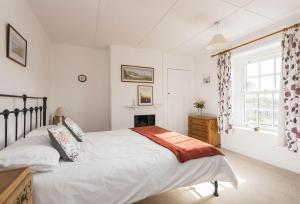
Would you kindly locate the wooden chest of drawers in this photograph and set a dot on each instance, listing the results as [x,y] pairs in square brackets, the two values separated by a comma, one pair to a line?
[16,186]
[205,129]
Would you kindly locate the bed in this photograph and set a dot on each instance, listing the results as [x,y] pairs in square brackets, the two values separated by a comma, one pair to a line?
[122,166]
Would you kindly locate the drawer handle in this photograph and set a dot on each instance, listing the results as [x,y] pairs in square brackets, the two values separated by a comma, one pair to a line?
[24,195]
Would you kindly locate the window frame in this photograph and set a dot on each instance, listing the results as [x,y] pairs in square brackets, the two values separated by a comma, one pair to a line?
[258,92]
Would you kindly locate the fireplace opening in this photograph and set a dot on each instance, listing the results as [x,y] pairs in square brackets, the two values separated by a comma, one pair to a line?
[144,120]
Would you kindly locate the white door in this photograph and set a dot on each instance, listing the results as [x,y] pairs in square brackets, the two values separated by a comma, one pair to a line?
[179,99]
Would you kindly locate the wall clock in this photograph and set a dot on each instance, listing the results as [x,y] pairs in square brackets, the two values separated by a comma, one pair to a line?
[82,78]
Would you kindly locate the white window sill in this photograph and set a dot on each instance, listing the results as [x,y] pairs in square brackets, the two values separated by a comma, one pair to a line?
[268,132]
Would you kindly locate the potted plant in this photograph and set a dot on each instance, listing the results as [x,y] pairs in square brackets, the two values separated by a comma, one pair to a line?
[199,105]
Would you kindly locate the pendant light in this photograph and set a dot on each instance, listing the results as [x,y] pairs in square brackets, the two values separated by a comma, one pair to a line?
[218,41]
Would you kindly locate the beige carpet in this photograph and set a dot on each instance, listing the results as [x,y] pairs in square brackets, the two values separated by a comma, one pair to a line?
[259,183]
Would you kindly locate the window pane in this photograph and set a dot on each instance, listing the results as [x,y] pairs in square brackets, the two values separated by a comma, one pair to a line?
[267,66]
[252,69]
[251,116]
[265,102]
[278,65]
[276,101]
[267,83]
[265,117]
[251,101]
[277,81]
[276,118]
[252,84]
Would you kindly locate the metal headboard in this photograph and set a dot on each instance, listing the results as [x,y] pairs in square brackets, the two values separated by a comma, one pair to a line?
[42,110]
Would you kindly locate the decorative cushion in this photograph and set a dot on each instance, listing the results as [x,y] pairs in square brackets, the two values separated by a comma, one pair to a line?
[64,142]
[74,129]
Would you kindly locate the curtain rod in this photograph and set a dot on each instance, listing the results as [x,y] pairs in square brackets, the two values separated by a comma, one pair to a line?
[257,39]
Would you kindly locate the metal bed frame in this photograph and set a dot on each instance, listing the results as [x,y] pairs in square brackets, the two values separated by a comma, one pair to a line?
[41,110]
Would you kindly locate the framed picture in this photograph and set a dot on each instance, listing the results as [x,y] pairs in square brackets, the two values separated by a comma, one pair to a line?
[137,74]
[206,78]
[145,95]
[16,46]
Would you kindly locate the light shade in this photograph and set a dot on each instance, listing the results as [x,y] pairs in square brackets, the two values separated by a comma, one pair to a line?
[217,42]
[59,112]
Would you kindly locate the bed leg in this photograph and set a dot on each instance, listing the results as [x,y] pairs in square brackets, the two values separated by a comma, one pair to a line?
[216,193]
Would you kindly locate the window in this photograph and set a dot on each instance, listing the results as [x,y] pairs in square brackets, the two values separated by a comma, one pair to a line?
[261,92]
[255,86]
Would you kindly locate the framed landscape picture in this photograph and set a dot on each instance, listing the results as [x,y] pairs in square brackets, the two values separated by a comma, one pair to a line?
[145,95]
[16,46]
[137,74]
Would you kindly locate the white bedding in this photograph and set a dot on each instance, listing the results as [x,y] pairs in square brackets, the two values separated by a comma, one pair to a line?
[123,167]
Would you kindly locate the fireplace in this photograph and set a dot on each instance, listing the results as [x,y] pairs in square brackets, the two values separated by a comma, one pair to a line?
[144,120]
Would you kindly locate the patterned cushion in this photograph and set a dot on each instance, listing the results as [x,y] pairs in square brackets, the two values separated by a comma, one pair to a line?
[64,142]
[74,129]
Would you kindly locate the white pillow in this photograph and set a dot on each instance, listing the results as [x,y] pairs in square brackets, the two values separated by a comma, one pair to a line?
[40,131]
[36,153]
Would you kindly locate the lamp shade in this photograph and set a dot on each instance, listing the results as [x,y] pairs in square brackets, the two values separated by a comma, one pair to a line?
[59,112]
[217,42]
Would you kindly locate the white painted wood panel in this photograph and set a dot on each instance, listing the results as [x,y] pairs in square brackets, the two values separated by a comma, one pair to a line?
[179,99]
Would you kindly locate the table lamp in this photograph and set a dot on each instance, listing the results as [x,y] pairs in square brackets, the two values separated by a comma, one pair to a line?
[58,116]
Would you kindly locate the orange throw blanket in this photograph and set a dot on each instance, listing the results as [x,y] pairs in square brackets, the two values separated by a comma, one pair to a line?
[185,148]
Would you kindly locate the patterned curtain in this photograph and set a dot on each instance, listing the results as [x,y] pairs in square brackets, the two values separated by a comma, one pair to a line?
[291,86]
[224,83]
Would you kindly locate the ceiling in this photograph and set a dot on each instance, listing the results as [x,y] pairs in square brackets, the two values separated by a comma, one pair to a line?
[169,25]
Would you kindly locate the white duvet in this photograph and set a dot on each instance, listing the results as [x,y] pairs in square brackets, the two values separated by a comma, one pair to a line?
[117,167]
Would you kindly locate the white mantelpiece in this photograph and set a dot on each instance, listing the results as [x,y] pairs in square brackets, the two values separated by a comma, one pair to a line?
[135,106]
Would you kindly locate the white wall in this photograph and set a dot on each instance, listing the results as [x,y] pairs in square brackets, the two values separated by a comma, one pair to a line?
[207,92]
[14,78]
[87,103]
[123,93]
[262,146]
